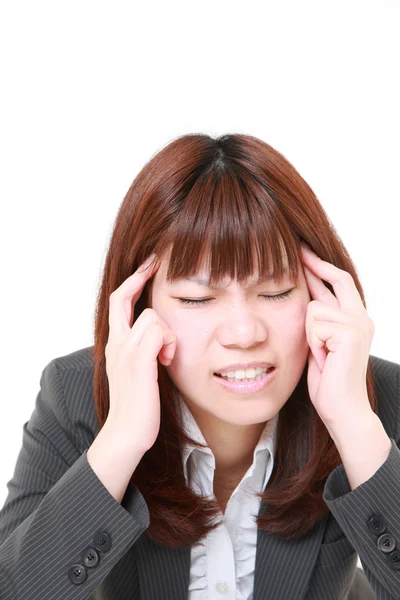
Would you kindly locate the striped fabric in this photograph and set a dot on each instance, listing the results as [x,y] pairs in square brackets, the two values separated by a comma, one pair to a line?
[64,537]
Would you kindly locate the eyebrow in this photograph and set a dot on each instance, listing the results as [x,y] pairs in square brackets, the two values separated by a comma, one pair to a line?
[206,283]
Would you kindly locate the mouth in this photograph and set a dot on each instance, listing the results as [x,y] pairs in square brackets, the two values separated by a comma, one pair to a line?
[260,376]
[247,386]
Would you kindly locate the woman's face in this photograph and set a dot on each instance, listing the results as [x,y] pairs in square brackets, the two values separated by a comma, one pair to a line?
[237,325]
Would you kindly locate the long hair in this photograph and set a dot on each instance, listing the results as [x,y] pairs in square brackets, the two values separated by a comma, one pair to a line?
[235,200]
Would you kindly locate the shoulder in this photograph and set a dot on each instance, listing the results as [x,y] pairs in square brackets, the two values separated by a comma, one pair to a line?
[76,360]
[383,366]
[67,385]
[387,388]
[386,375]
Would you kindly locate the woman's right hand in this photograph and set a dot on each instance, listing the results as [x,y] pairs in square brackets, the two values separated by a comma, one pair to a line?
[131,362]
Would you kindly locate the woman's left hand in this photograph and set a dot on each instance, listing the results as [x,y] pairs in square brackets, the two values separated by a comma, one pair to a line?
[339,332]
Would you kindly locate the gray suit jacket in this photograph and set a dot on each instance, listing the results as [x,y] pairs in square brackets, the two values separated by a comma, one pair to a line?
[64,537]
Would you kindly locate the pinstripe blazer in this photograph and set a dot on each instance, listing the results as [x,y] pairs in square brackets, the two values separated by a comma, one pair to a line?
[64,537]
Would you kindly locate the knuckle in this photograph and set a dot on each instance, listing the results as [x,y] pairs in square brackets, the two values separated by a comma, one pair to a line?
[109,348]
[312,305]
[152,316]
[348,276]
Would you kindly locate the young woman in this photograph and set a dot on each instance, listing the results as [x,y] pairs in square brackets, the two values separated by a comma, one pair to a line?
[228,435]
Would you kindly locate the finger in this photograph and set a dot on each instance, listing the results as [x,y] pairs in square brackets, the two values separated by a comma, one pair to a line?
[317,350]
[319,291]
[323,323]
[149,320]
[324,337]
[341,281]
[146,319]
[123,299]
[320,311]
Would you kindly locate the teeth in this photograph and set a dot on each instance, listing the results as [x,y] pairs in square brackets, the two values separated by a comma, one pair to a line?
[245,373]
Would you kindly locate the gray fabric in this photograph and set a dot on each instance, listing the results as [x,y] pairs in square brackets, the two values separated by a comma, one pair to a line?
[58,514]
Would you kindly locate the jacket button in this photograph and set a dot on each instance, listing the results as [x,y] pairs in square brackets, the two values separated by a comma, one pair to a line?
[394,559]
[102,541]
[77,574]
[376,524]
[386,542]
[91,558]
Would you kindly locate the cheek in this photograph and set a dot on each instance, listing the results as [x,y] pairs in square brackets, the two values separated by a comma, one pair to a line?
[191,335]
[190,354]
[292,328]
[183,325]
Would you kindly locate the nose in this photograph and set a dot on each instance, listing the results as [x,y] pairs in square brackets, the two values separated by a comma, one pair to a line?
[242,328]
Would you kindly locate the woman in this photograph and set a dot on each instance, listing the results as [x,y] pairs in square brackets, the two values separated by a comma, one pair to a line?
[150,468]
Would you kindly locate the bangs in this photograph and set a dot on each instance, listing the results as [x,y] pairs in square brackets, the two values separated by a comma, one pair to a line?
[238,231]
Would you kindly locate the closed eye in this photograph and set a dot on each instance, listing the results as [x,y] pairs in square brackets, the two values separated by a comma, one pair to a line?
[206,300]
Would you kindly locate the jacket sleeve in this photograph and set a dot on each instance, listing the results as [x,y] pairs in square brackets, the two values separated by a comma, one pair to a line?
[61,531]
[369,515]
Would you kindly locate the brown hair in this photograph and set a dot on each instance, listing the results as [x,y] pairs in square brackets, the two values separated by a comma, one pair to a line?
[230,199]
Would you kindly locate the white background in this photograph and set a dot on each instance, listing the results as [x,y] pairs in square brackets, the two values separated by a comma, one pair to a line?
[91,90]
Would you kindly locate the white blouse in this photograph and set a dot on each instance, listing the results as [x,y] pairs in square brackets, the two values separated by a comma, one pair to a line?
[222,565]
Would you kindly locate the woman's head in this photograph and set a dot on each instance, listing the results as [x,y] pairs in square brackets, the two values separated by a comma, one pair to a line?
[232,219]
[232,210]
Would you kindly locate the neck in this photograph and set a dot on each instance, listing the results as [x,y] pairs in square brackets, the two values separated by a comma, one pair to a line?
[232,445]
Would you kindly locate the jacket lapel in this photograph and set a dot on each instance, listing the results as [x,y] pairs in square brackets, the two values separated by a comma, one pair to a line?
[163,572]
[282,567]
